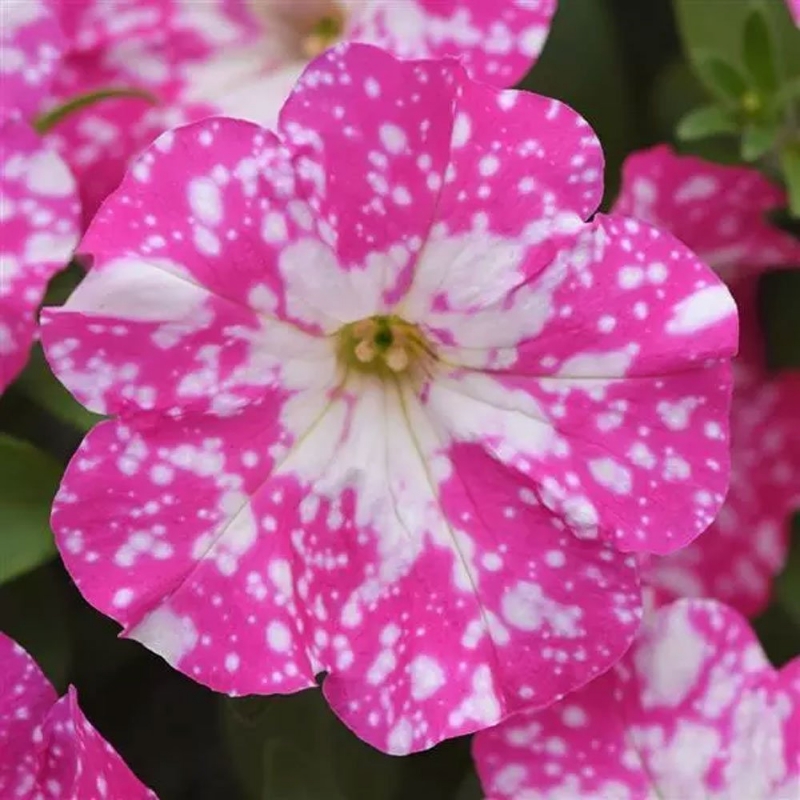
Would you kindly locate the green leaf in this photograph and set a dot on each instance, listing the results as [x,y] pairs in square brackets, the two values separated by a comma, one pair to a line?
[47,121]
[790,164]
[704,29]
[717,27]
[757,141]
[38,384]
[706,121]
[787,93]
[28,483]
[676,92]
[723,79]
[759,51]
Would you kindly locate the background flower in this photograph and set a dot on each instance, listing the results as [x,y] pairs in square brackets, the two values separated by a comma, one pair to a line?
[693,710]
[794,7]
[363,385]
[39,220]
[242,57]
[47,747]
[721,213]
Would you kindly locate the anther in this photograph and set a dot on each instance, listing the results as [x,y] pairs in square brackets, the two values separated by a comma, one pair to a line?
[396,358]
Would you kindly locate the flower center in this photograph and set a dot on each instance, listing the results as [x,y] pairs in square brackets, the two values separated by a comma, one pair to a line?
[385,345]
[300,29]
[323,32]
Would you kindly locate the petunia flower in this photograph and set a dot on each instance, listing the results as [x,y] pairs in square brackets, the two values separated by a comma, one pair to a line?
[40,214]
[794,10]
[721,213]
[48,749]
[242,57]
[694,710]
[386,406]
[497,43]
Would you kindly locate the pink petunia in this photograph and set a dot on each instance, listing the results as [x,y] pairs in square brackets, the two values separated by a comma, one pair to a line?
[721,213]
[48,749]
[497,43]
[694,710]
[794,9]
[242,57]
[383,400]
[39,223]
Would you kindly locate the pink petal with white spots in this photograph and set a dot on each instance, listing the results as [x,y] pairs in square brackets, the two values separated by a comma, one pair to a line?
[150,45]
[497,42]
[38,232]
[242,59]
[25,698]
[48,749]
[719,211]
[31,44]
[694,710]
[615,440]
[279,498]
[738,557]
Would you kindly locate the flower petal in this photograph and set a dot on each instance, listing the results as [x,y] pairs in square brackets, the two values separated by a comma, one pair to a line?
[497,42]
[150,45]
[518,161]
[47,747]
[718,211]
[342,557]
[721,212]
[187,536]
[32,43]
[25,698]
[694,710]
[156,340]
[38,230]
[400,168]
[591,357]
[743,550]
[79,761]
[380,180]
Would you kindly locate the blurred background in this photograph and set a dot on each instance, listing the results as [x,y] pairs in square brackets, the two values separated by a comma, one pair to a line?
[620,64]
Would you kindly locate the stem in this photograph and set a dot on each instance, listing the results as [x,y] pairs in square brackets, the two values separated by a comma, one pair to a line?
[47,121]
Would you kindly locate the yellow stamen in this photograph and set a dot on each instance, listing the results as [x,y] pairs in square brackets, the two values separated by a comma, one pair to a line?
[385,345]
[324,32]
[396,359]
[365,351]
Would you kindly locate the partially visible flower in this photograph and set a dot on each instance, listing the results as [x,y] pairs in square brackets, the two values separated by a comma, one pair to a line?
[794,9]
[242,57]
[150,45]
[387,406]
[48,749]
[39,222]
[721,213]
[694,710]
[497,43]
